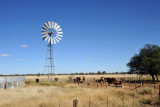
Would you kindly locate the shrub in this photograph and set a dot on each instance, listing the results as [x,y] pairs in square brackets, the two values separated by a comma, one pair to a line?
[147,91]
[145,100]
[133,94]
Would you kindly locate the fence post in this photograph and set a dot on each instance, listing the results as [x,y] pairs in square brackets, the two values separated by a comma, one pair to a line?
[107,101]
[141,85]
[159,93]
[105,84]
[101,83]
[5,83]
[135,85]
[12,84]
[89,102]
[129,84]
[116,84]
[97,83]
[75,103]
[154,85]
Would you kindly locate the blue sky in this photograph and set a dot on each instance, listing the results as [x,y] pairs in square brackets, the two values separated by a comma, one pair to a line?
[98,34]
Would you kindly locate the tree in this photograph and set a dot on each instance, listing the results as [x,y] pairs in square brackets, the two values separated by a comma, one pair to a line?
[99,72]
[146,62]
[104,72]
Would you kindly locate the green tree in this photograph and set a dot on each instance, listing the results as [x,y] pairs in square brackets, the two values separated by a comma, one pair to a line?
[81,73]
[104,72]
[99,72]
[146,62]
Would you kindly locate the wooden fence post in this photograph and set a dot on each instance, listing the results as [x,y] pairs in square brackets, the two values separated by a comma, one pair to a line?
[116,84]
[141,85]
[129,84]
[89,102]
[75,103]
[154,85]
[135,85]
[105,84]
[159,93]
[101,83]
[97,83]
[107,101]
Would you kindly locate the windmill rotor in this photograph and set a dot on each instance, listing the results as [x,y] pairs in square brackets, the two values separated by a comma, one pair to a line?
[52,32]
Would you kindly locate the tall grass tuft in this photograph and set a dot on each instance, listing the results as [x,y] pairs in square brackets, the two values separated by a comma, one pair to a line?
[147,91]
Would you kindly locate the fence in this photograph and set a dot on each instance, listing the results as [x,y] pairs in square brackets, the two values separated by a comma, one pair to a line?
[128,84]
[12,81]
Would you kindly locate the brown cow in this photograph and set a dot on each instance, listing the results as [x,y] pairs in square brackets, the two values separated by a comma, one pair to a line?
[100,80]
[78,80]
[110,80]
[84,79]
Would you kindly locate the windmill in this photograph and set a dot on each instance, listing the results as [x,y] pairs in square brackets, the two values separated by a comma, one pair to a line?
[52,33]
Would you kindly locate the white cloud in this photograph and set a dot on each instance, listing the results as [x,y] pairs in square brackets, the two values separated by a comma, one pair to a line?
[20,60]
[88,58]
[43,61]
[4,55]
[24,46]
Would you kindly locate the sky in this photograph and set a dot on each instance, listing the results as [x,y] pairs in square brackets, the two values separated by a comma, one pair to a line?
[98,35]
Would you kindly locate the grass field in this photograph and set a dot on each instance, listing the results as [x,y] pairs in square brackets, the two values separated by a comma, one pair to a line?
[62,94]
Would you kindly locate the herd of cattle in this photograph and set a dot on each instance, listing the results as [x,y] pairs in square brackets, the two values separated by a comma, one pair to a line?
[102,79]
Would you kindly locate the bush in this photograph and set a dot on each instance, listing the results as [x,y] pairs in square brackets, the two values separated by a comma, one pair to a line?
[147,91]
[133,94]
[145,100]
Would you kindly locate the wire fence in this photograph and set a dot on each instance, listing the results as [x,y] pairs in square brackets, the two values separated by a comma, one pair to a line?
[127,84]
[12,81]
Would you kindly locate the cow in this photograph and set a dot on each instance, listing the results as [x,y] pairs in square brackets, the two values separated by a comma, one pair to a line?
[77,80]
[100,80]
[84,79]
[110,80]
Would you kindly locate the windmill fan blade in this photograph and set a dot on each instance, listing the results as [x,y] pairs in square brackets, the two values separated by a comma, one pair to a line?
[45,35]
[46,25]
[59,35]
[49,39]
[59,30]
[43,32]
[58,38]
[57,27]
[54,41]
[53,25]
[49,23]
[46,38]
[44,29]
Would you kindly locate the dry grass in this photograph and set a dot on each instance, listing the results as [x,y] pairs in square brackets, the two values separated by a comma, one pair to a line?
[62,94]
[53,95]
[65,78]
